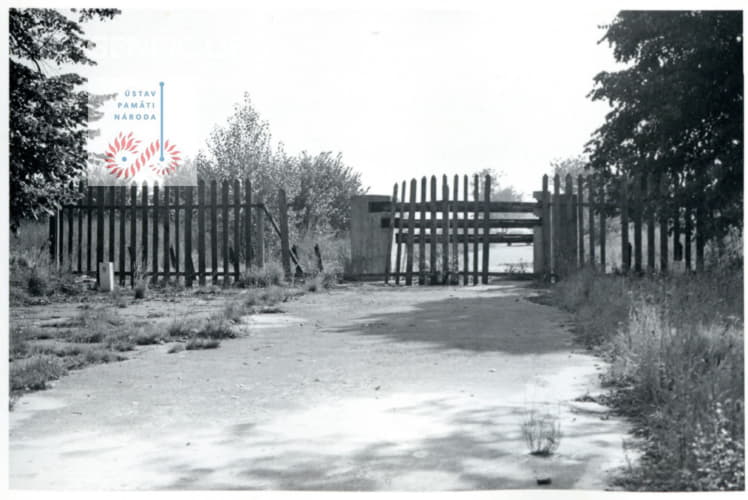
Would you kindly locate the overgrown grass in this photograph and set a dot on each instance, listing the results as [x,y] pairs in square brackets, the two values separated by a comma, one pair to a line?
[675,346]
[542,433]
[35,372]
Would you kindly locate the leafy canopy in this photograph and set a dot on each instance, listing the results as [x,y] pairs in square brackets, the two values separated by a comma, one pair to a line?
[48,112]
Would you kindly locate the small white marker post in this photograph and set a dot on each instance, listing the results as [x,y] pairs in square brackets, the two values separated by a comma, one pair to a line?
[106,276]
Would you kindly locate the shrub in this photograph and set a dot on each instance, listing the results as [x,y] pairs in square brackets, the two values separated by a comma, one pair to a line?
[271,274]
[35,372]
[542,433]
[216,328]
[38,282]
[140,289]
[201,343]
[180,329]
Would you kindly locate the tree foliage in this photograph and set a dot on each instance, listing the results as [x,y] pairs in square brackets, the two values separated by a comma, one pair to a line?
[318,187]
[677,108]
[48,112]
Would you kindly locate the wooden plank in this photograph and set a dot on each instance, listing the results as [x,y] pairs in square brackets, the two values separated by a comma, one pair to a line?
[167,234]
[432,246]
[71,230]
[453,228]
[388,257]
[445,229]
[260,223]
[465,230]
[189,271]
[99,230]
[556,237]
[486,229]
[133,232]
[650,224]
[580,219]
[52,239]
[688,231]
[89,240]
[225,231]
[422,227]
[248,225]
[237,229]
[571,207]
[177,243]
[459,206]
[144,229]
[214,231]
[201,232]
[154,257]
[476,227]
[546,231]
[283,221]
[411,230]
[603,230]
[528,223]
[398,256]
[471,238]
[700,235]
[677,246]
[591,196]
[624,202]
[637,213]
[122,226]
[663,224]
[81,196]
[112,204]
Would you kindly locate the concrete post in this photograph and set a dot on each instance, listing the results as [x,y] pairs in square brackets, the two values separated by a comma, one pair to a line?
[369,240]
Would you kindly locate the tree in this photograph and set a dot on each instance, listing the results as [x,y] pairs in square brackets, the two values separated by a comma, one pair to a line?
[677,108]
[574,166]
[48,113]
[499,192]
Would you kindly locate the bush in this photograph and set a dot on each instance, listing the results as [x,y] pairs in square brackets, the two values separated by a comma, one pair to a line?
[35,372]
[271,274]
[201,343]
[38,282]
[140,289]
[216,328]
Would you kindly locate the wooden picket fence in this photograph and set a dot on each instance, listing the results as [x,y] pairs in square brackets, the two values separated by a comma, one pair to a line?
[571,227]
[169,232]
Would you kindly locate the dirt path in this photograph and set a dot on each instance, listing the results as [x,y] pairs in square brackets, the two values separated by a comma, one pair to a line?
[364,388]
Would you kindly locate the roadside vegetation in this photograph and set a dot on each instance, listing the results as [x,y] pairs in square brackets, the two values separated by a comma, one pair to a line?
[676,368]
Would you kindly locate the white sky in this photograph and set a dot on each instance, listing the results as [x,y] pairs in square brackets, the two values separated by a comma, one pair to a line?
[401,92]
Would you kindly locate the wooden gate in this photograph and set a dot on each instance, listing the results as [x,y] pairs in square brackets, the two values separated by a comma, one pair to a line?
[171,232]
[445,236]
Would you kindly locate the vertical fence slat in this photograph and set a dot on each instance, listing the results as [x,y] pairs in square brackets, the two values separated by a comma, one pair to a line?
[663,224]
[214,231]
[89,239]
[99,230]
[688,231]
[189,269]
[411,230]
[677,247]
[445,229]
[486,228]
[247,224]
[399,236]
[650,225]
[453,229]
[421,236]
[260,222]
[637,212]
[580,219]
[237,229]
[624,203]
[177,243]
[546,228]
[71,230]
[557,236]
[201,232]
[112,204]
[603,229]
[167,233]
[154,257]
[571,250]
[144,229]
[701,213]
[53,238]
[285,246]
[225,231]
[432,244]
[392,235]
[133,232]
[476,225]
[81,197]
[591,196]
[465,230]
[122,227]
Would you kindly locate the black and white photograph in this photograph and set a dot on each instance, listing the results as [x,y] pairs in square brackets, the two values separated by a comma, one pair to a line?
[389,248]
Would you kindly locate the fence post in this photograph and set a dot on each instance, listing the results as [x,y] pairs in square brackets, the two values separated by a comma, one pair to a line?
[411,229]
[556,227]
[637,212]
[133,232]
[214,231]
[201,232]
[546,230]
[486,228]
[625,253]
[432,243]
[445,229]
[688,231]
[422,236]
[663,224]
[81,197]
[53,238]
[238,229]
[144,229]
[399,235]
[99,231]
[177,243]
[453,227]
[112,204]
[71,231]
[260,223]
[122,224]
[167,234]
[650,224]
[476,226]
[89,239]
[392,235]
[283,220]
[591,196]
[225,231]
[700,236]
[189,270]
[571,250]
[580,218]
[156,209]
[465,230]
[247,224]
[603,228]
